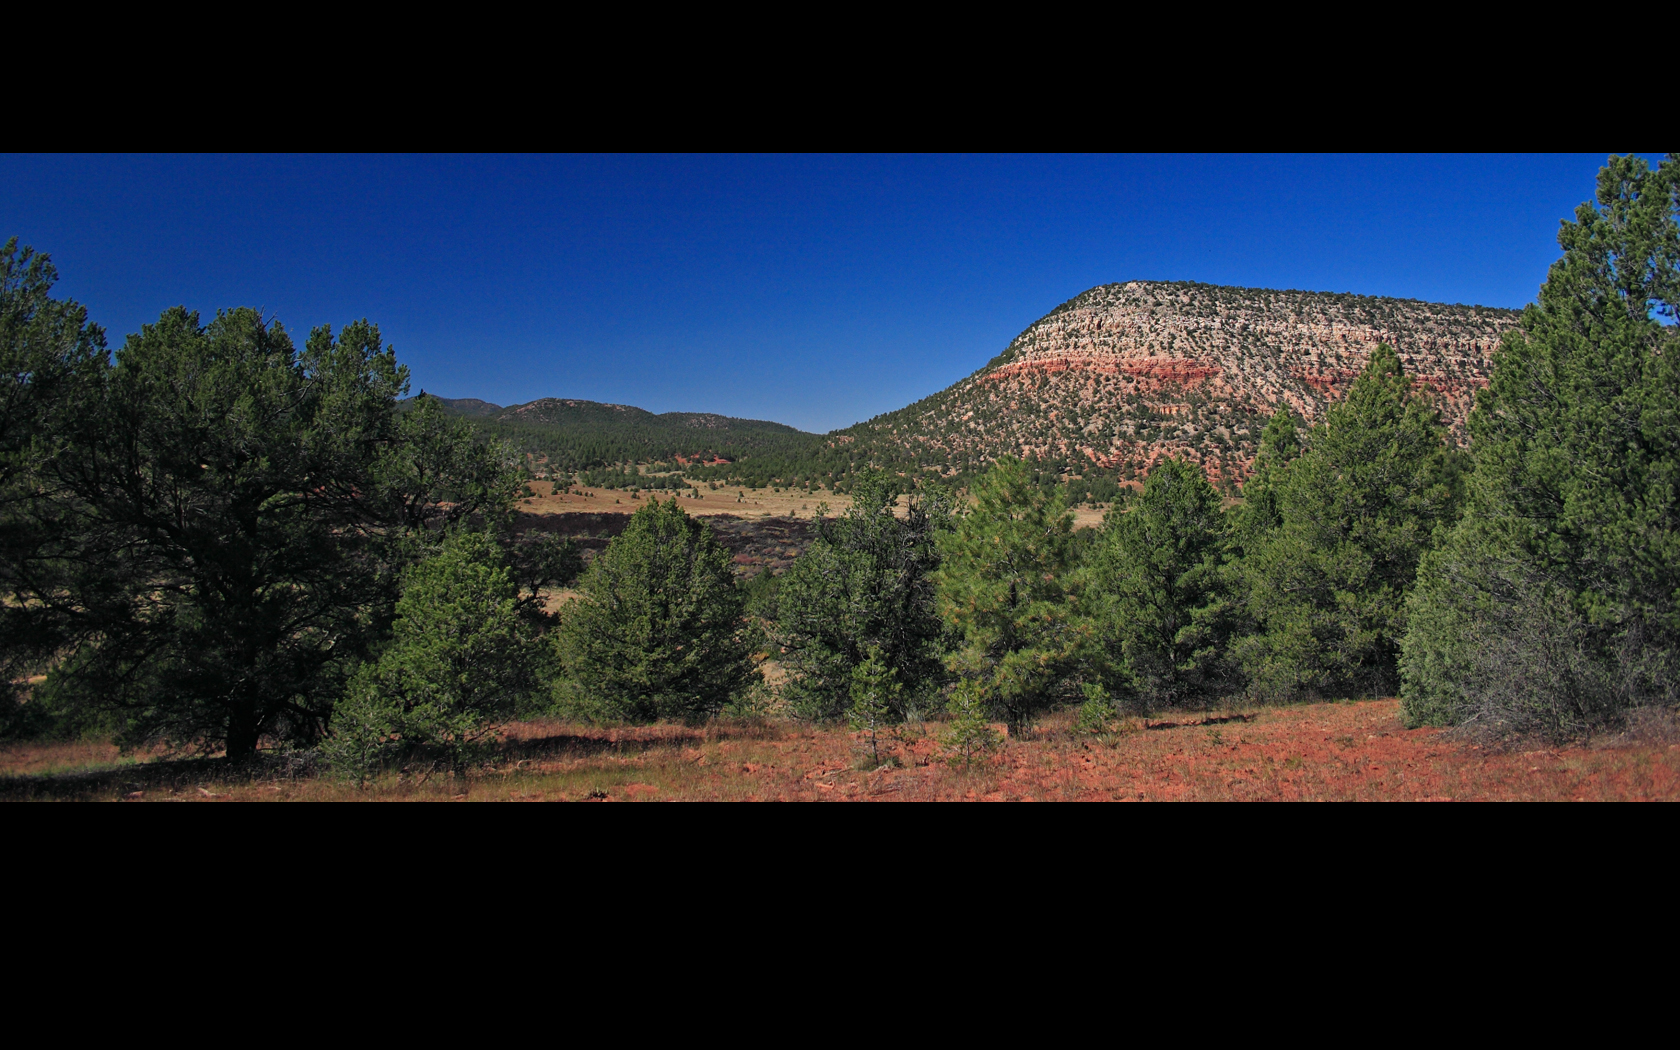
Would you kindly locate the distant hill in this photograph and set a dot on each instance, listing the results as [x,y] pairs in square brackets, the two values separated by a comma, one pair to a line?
[569,434]
[469,406]
[1126,374]
[1102,387]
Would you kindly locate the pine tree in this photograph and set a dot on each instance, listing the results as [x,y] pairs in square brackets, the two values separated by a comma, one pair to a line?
[657,631]
[875,696]
[462,660]
[1555,607]
[230,517]
[1007,583]
[1258,516]
[1155,589]
[1355,511]
[865,584]
[968,735]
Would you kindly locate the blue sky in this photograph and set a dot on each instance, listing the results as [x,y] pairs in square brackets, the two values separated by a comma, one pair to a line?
[816,291]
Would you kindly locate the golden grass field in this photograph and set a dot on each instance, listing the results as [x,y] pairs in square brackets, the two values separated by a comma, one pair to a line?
[1312,752]
[734,500]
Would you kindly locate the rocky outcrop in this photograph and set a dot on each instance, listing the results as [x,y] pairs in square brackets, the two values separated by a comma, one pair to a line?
[1127,374]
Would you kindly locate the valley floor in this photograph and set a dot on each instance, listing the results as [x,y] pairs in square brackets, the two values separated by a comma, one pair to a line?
[1318,752]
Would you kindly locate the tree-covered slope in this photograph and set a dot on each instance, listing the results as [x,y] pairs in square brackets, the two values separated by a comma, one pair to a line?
[568,435]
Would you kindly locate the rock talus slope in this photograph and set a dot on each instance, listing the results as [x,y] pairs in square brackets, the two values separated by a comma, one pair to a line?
[1126,374]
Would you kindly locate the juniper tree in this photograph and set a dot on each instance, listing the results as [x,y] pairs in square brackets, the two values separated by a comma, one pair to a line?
[657,630]
[1555,606]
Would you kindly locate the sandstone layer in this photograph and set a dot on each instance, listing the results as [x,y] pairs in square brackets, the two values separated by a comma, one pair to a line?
[1127,374]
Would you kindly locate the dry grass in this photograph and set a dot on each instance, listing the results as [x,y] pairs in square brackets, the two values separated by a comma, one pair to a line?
[752,503]
[1350,751]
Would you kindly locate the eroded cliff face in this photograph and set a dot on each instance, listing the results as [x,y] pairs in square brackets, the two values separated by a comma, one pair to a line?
[1127,374]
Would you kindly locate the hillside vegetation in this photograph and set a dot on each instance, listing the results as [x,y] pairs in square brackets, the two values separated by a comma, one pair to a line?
[219,542]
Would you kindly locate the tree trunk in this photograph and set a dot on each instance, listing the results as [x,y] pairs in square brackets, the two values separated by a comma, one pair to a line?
[242,733]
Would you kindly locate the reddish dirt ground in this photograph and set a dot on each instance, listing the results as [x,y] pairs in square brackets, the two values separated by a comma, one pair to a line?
[1319,752]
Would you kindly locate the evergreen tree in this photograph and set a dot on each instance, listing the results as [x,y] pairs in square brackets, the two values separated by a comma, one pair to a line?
[1355,512]
[230,529]
[968,734]
[1007,584]
[461,661]
[1555,607]
[1155,589]
[657,631]
[1259,515]
[875,696]
[864,584]
[51,360]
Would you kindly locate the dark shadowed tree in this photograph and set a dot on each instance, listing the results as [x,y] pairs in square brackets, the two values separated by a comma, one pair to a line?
[235,515]
[51,359]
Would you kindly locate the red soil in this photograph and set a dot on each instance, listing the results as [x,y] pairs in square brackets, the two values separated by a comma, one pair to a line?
[1345,751]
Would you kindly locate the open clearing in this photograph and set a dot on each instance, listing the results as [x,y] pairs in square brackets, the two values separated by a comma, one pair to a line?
[729,499]
[1341,751]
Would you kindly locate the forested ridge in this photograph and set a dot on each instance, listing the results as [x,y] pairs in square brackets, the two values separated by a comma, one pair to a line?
[219,539]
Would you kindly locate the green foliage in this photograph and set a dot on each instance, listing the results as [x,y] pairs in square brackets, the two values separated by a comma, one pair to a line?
[1259,515]
[875,691]
[657,631]
[1155,588]
[1006,583]
[50,362]
[461,661]
[969,734]
[1098,713]
[222,524]
[1355,511]
[1553,608]
[865,584]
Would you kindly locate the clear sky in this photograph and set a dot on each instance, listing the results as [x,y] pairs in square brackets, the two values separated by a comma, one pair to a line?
[816,291]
